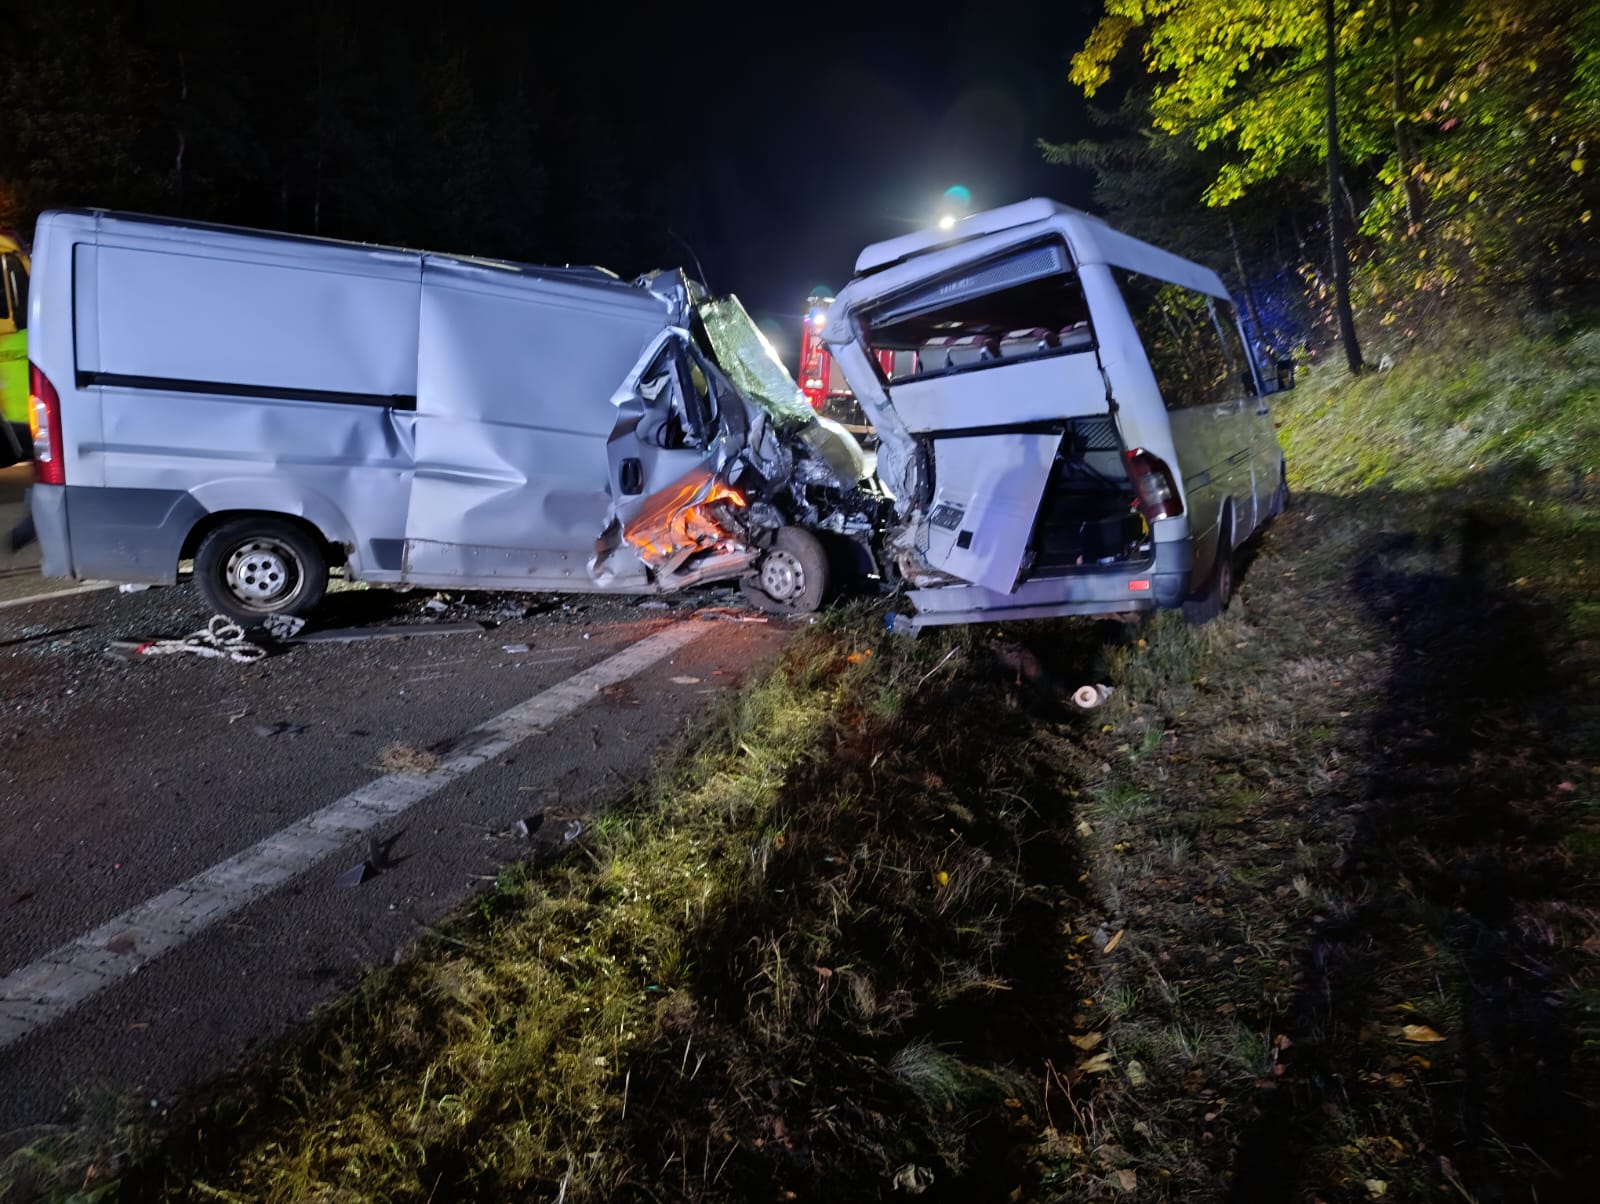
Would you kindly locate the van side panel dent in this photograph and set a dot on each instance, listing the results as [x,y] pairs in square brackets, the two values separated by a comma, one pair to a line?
[512,423]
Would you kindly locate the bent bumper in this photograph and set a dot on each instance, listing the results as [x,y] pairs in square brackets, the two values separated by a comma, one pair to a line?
[1162,583]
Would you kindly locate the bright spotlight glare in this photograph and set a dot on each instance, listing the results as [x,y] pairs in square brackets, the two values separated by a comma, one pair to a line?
[947,222]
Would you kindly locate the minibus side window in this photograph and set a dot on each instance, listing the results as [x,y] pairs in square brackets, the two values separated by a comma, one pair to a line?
[1233,347]
[6,289]
[1182,341]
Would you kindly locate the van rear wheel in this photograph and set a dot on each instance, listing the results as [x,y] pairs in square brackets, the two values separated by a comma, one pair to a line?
[1214,599]
[792,578]
[250,568]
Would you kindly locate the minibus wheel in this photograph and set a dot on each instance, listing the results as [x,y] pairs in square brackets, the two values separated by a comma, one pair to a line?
[256,566]
[792,577]
[1218,592]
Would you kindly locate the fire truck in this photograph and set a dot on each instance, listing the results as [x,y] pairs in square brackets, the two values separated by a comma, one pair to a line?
[823,384]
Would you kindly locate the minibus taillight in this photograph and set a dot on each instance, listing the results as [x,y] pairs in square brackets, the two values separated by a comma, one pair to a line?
[1152,481]
[44,421]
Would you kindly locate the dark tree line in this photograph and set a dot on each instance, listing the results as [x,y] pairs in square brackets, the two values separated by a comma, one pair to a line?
[473,130]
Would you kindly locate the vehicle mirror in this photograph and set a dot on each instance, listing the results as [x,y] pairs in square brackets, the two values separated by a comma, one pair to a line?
[1285,374]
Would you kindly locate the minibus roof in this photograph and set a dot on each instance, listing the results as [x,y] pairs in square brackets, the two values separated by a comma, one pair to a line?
[1089,239]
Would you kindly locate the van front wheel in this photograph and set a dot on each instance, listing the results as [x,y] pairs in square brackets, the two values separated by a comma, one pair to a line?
[792,577]
[250,568]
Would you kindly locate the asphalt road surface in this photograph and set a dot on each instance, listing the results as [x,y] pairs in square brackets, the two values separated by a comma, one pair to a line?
[173,829]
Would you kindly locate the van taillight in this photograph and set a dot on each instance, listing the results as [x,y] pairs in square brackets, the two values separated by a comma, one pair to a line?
[44,421]
[1152,481]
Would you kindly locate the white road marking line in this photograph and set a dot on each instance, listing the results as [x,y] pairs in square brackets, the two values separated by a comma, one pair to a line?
[59,981]
[60,593]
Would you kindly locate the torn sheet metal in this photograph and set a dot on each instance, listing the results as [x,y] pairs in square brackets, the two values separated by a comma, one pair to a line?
[697,515]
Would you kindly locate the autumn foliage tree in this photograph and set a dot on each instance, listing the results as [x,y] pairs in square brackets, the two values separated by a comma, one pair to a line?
[1464,126]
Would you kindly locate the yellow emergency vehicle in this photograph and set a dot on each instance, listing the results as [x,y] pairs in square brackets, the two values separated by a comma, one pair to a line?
[14,268]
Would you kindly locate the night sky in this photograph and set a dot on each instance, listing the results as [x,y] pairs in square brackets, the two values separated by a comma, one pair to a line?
[840,125]
[768,144]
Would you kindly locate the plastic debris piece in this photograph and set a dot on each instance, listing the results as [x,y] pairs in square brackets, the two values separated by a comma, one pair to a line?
[913,1179]
[1089,697]
[513,647]
[361,872]
[268,730]
[574,830]
[435,605]
[524,829]
[132,587]
[283,627]
[685,681]
[655,606]
[900,624]
[727,615]
[397,631]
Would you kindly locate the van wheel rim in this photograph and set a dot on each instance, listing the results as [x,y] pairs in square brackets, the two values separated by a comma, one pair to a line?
[783,577]
[262,571]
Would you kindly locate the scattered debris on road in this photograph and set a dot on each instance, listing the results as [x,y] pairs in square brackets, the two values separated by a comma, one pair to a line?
[220,638]
[361,872]
[283,627]
[727,614]
[524,828]
[269,730]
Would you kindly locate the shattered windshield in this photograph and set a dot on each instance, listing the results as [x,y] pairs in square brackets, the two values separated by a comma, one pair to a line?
[750,361]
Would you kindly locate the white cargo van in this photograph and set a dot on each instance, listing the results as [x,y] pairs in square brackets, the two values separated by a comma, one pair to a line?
[1069,420]
[272,405]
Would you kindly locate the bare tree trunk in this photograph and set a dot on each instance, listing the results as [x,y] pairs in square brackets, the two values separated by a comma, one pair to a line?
[1337,243]
[1244,283]
[1405,151]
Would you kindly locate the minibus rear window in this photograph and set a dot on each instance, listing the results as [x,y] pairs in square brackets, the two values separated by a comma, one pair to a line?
[1026,304]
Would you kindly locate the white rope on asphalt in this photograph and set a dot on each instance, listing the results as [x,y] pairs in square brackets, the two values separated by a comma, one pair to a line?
[220,637]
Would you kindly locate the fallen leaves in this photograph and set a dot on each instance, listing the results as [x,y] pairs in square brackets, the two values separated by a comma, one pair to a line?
[1087,1041]
[1116,939]
[1099,1064]
[1419,1033]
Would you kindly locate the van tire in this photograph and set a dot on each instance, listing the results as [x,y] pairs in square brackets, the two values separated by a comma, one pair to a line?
[253,567]
[792,577]
[1218,592]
